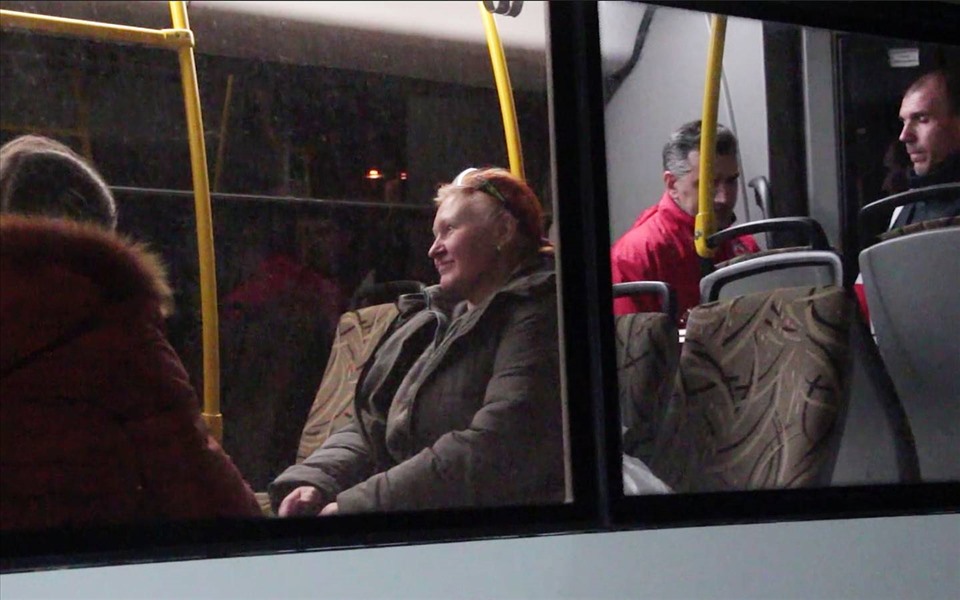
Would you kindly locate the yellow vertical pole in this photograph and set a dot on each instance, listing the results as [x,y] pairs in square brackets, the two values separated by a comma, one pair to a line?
[201,190]
[705,223]
[505,92]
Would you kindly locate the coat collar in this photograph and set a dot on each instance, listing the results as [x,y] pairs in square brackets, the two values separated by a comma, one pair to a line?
[527,279]
[668,210]
[672,212]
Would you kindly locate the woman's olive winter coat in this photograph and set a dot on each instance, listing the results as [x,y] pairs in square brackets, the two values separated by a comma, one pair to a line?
[455,408]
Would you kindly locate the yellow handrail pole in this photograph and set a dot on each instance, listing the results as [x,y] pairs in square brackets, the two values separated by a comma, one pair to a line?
[201,191]
[222,139]
[160,38]
[504,90]
[705,223]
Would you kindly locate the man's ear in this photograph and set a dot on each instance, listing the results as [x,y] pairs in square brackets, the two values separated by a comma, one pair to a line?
[670,184]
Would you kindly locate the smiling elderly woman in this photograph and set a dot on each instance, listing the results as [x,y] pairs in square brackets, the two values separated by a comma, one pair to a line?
[460,405]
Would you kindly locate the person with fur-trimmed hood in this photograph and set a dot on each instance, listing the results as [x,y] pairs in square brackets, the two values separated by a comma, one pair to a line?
[98,421]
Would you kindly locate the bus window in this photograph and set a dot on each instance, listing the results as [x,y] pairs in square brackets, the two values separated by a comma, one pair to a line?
[816,115]
[327,136]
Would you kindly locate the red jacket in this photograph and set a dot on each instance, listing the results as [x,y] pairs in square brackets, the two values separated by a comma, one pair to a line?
[659,247]
[98,421]
[281,279]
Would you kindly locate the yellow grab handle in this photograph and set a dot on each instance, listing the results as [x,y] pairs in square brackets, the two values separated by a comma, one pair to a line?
[505,92]
[705,222]
[104,32]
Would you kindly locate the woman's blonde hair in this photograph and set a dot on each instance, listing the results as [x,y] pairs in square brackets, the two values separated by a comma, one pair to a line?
[511,193]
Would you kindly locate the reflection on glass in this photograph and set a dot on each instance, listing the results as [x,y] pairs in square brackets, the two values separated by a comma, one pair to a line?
[313,251]
[776,380]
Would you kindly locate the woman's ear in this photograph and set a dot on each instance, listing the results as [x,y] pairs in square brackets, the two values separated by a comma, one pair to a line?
[505,228]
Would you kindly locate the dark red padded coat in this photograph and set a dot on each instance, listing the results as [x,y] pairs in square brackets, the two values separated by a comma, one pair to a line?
[98,421]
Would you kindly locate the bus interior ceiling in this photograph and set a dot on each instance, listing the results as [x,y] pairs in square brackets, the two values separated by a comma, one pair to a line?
[311,106]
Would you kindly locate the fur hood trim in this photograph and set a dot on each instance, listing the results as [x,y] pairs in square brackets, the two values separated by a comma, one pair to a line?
[124,269]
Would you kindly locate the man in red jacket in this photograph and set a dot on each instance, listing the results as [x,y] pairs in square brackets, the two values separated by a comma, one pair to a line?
[659,246]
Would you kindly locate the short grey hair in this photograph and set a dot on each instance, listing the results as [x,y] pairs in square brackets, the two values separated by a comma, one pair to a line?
[41,176]
[686,139]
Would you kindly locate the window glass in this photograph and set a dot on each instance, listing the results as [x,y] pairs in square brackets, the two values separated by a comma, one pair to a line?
[760,370]
[329,128]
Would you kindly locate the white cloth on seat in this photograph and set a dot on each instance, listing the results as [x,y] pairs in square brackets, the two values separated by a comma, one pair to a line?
[638,479]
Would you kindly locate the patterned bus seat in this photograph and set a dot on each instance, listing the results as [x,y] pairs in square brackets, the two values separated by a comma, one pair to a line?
[761,393]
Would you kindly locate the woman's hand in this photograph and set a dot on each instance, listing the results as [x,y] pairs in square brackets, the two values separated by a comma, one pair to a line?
[330,509]
[305,501]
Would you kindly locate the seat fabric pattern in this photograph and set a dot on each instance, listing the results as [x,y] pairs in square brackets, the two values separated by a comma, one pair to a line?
[940,223]
[647,355]
[761,393]
[358,333]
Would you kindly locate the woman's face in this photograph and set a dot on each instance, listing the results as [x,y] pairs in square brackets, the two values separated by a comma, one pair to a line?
[464,249]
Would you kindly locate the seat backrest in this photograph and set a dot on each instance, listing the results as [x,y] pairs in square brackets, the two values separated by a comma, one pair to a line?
[772,269]
[920,205]
[664,291]
[647,354]
[761,393]
[371,294]
[878,446]
[813,264]
[911,286]
[357,336]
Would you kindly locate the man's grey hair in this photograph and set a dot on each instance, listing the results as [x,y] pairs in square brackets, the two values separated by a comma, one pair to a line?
[686,139]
